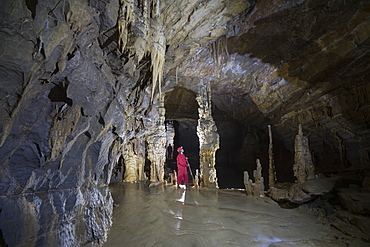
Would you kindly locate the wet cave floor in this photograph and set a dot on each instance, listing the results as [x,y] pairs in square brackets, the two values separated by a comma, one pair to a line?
[166,216]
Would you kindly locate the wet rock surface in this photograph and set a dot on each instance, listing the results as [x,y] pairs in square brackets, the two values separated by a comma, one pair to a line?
[73,217]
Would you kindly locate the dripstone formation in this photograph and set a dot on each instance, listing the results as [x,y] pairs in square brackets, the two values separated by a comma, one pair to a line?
[86,88]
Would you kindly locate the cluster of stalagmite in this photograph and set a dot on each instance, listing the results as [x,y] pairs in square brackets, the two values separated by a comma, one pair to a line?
[303,171]
[257,188]
[208,137]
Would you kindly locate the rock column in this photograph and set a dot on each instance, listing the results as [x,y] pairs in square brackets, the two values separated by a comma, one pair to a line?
[157,145]
[272,171]
[208,137]
[303,166]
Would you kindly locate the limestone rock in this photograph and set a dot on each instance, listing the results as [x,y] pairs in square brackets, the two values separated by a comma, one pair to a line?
[301,193]
[355,201]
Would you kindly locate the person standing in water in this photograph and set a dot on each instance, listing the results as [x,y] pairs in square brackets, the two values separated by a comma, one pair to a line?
[182,172]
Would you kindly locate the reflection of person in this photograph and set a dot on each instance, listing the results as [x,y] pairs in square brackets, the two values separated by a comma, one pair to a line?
[169,152]
[182,172]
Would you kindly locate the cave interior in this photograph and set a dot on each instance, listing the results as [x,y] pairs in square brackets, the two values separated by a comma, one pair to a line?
[89,88]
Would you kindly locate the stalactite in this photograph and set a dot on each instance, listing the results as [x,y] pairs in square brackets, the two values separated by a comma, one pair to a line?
[125,18]
[213,51]
[143,27]
[225,46]
[177,77]
[122,28]
[158,53]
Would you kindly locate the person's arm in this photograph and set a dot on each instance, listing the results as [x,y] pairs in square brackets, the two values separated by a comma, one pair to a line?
[182,160]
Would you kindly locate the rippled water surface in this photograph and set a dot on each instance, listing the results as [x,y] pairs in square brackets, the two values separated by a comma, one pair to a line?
[166,216]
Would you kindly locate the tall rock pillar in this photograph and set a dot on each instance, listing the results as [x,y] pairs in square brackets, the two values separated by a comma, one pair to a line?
[208,137]
[272,171]
[303,167]
[157,145]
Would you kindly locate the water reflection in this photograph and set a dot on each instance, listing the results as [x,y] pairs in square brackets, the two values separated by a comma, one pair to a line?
[166,216]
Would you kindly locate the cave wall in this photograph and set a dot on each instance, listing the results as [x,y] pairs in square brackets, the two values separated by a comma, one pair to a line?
[60,124]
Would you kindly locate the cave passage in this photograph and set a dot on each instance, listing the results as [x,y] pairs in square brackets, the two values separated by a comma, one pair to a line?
[166,216]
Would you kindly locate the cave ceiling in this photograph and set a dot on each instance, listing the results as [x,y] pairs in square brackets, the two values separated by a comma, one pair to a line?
[285,63]
[274,62]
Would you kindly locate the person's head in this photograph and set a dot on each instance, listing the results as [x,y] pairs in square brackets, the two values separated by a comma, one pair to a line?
[180,150]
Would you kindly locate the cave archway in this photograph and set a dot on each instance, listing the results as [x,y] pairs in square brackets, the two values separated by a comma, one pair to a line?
[182,109]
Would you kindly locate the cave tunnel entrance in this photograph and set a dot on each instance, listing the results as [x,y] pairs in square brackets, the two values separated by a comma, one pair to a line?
[182,110]
[186,136]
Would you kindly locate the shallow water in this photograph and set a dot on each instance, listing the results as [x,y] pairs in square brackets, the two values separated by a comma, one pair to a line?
[166,216]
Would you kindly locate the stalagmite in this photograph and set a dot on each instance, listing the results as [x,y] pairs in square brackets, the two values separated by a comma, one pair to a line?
[272,171]
[259,187]
[196,179]
[174,177]
[303,166]
[208,137]
[133,154]
[248,184]
[157,145]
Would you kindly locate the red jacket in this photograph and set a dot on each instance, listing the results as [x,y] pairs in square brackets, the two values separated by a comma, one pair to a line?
[181,160]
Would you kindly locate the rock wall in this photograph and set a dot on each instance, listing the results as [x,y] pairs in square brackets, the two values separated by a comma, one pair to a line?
[58,130]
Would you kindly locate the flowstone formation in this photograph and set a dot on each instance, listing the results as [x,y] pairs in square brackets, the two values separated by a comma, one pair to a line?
[157,145]
[208,137]
[134,158]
